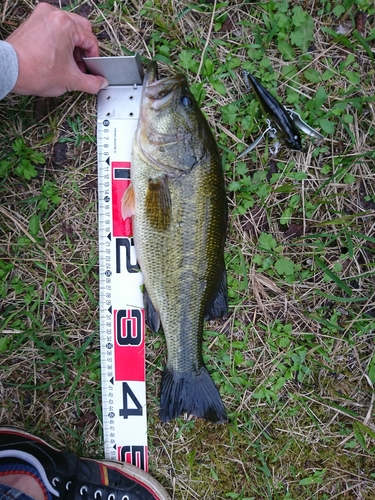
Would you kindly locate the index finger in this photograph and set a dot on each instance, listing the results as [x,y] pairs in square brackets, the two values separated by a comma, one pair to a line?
[87,42]
[82,21]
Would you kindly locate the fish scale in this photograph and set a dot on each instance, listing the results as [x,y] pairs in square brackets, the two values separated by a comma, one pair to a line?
[168,285]
[176,167]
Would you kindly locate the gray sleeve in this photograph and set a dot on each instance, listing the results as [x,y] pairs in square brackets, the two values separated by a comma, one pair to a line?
[8,68]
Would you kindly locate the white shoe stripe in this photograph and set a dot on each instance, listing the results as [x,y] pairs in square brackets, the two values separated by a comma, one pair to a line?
[30,459]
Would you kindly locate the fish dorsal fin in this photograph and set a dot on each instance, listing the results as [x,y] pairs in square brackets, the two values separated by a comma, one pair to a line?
[218,306]
[158,203]
[128,203]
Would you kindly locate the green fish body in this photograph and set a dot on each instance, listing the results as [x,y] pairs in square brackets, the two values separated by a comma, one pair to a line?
[179,225]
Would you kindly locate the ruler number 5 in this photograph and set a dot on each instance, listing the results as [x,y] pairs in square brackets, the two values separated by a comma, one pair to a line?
[126,411]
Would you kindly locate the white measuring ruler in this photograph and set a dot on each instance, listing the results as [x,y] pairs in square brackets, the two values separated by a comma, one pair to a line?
[122,322]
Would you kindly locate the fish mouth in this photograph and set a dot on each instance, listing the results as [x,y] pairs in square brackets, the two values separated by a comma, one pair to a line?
[152,73]
[159,89]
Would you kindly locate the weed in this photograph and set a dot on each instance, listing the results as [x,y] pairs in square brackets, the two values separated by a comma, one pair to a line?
[22,159]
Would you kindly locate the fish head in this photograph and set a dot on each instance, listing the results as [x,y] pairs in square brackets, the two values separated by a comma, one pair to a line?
[172,133]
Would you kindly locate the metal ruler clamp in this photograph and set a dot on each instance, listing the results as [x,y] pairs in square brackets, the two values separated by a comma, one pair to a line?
[122,322]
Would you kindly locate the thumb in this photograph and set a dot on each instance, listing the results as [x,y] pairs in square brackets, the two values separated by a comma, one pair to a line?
[91,83]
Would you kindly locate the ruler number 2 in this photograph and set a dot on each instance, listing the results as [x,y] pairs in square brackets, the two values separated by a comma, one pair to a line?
[126,411]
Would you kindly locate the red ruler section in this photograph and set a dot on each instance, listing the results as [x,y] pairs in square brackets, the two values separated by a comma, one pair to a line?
[120,182]
[129,344]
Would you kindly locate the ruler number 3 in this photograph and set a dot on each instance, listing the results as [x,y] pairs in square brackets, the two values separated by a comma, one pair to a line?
[126,411]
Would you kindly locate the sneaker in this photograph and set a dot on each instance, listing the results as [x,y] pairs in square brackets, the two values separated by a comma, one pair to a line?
[65,476]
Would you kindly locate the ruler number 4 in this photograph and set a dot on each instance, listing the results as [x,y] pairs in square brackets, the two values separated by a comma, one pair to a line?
[126,411]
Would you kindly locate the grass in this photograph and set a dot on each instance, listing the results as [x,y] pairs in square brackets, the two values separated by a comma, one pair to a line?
[294,360]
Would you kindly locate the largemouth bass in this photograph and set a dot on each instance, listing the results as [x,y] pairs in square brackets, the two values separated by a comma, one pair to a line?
[178,202]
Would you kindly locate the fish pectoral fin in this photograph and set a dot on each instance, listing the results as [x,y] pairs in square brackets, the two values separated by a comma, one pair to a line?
[158,203]
[152,316]
[218,306]
[128,202]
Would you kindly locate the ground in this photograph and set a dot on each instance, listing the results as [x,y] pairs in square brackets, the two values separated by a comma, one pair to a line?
[294,359]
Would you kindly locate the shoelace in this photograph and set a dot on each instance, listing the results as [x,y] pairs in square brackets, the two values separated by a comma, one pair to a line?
[98,495]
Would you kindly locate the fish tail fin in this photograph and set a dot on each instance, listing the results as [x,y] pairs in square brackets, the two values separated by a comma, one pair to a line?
[194,393]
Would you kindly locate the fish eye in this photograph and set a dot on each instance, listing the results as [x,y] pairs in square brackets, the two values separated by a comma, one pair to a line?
[185,101]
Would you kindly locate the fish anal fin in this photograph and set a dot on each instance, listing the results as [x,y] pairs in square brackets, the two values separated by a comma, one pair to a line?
[152,316]
[128,202]
[158,203]
[217,307]
[191,392]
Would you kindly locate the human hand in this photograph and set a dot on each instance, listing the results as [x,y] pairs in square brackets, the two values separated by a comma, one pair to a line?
[50,45]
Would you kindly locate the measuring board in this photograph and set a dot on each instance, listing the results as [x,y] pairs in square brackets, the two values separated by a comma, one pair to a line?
[122,319]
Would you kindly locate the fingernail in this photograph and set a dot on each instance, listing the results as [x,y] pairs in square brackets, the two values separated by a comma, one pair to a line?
[104,85]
